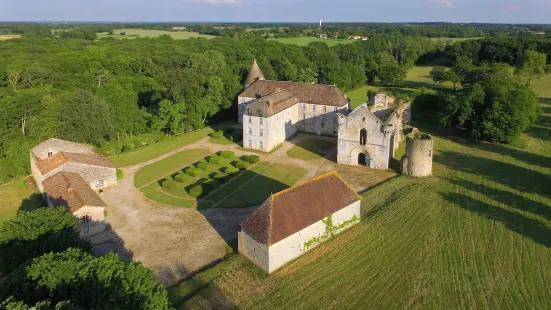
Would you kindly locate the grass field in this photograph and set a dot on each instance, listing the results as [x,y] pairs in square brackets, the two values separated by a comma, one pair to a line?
[132,33]
[15,196]
[310,149]
[307,40]
[475,235]
[542,87]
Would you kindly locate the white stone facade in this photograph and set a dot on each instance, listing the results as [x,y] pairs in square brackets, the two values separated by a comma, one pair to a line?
[273,257]
[266,134]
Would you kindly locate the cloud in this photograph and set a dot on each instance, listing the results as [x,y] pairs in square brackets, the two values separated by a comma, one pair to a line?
[445,3]
[228,2]
[512,7]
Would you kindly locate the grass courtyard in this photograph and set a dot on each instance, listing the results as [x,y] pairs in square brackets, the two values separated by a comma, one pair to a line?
[475,235]
[311,149]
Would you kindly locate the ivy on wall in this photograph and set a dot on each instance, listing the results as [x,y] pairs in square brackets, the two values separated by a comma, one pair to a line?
[330,230]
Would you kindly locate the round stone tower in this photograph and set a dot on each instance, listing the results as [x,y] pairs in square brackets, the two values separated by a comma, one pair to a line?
[418,159]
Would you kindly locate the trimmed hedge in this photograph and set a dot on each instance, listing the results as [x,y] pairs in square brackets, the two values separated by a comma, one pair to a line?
[120,174]
[182,177]
[253,159]
[227,154]
[204,166]
[211,184]
[196,191]
[170,185]
[242,165]
[192,171]
[218,134]
[231,170]
[220,176]
[215,160]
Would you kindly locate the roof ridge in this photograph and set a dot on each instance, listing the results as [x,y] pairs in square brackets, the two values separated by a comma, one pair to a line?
[319,177]
[77,195]
[271,219]
[305,83]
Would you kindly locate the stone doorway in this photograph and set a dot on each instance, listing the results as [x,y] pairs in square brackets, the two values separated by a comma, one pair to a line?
[363,160]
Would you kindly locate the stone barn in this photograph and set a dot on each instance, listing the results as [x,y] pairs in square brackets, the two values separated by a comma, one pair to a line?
[370,134]
[291,222]
[69,174]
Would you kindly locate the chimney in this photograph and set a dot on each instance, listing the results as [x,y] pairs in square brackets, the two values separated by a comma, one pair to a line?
[69,188]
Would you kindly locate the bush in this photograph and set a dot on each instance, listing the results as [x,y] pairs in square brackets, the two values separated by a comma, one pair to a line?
[253,159]
[215,160]
[204,166]
[196,190]
[231,170]
[218,134]
[120,174]
[242,165]
[192,171]
[126,148]
[181,177]
[170,185]
[227,154]
[210,185]
[220,176]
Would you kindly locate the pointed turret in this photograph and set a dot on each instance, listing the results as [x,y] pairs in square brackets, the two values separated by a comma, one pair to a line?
[254,75]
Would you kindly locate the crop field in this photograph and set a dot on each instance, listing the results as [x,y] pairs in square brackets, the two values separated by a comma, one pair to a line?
[477,234]
[307,40]
[132,33]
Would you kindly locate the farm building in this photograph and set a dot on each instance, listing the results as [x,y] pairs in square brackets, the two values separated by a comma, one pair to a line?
[68,174]
[291,222]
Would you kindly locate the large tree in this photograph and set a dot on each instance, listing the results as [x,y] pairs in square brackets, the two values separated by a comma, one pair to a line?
[532,65]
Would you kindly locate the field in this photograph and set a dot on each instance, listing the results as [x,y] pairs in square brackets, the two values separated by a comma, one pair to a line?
[132,33]
[307,40]
[542,87]
[17,196]
[9,36]
[310,149]
[475,235]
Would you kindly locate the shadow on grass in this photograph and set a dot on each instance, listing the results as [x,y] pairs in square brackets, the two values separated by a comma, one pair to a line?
[31,203]
[514,221]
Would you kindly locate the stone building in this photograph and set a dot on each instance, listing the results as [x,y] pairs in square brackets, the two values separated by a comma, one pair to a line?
[293,221]
[370,134]
[62,168]
[272,111]
[418,159]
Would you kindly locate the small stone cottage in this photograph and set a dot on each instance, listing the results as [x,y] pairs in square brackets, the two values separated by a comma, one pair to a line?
[69,174]
[291,222]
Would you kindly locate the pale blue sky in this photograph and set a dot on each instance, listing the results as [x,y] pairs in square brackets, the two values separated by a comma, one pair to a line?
[491,11]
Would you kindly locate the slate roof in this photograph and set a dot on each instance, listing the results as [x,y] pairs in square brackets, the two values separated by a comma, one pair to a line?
[271,104]
[298,207]
[60,158]
[305,92]
[254,74]
[70,190]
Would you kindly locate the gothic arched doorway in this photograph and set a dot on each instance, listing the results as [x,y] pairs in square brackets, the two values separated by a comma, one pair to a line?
[362,160]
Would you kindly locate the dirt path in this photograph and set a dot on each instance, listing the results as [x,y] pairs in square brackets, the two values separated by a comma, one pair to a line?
[175,242]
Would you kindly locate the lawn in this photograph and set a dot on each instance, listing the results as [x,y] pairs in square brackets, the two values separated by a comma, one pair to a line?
[275,178]
[132,33]
[542,87]
[152,151]
[162,168]
[232,136]
[311,149]
[152,192]
[16,195]
[475,235]
[307,40]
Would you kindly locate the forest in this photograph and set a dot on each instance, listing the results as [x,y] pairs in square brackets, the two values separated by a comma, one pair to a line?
[121,94]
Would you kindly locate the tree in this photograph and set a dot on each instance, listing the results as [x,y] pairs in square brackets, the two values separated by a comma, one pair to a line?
[532,65]
[171,117]
[31,234]
[85,281]
[440,75]
[307,76]
[389,72]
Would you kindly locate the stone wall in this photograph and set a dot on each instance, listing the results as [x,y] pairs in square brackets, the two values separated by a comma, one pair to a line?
[92,174]
[256,252]
[317,121]
[96,224]
[56,145]
[419,154]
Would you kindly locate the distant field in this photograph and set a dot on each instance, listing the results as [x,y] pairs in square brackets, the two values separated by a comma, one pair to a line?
[145,33]
[306,40]
[542,87]
[9,36]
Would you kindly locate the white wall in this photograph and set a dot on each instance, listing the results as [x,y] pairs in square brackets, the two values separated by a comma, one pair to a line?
[241,103]
[97,223]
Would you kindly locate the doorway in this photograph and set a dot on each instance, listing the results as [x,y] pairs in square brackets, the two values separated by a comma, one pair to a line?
[362,160]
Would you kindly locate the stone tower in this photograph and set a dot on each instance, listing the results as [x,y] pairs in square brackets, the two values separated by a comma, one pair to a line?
[254,74]
[418,159]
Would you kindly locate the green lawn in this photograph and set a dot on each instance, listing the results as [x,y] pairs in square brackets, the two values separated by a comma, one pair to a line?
[167,166]
[154,193]
[132,33]
[152,151]
[307,40]
[475,235]
[542,87]
[16,195]
[272,180]
[311,149]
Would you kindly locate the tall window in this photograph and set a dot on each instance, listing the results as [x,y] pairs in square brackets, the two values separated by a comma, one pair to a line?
[86,223]
[303,107]
[250,131]
[250,119]
[50,154]
[314,107]
[242,108]
[335,110]
[324,108]
[261,133]
[261,145]
[303,116]
[250,143]
[363,137]
[324,119]
[261,121]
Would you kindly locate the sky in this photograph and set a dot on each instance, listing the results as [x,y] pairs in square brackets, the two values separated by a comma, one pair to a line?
[457,11]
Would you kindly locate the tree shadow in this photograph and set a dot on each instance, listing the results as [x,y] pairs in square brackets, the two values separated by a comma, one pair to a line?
[31,203]
[530,228]
[519,178]
[109,241]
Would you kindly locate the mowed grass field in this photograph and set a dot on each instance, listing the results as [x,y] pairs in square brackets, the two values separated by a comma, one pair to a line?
[132,33]
[311,149]
[475,235]
[15,196]
[307,40]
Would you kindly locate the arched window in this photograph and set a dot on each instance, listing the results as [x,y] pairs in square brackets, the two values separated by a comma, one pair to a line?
[363,137]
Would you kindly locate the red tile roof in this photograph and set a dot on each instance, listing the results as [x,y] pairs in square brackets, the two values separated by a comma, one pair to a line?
[298,207]
[271,104]
[70,190]
[60,158]
[50,163]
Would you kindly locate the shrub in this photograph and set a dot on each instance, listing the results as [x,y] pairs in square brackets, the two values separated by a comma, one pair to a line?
[170,185]
[231,170]
[253,159]
[242,165]
[192,171]
[210,185]
[204,166]
[220,176]
[126,148]
[181,177]
[215,160]
[196,190]
[120,174]
[218,134]
[227,154]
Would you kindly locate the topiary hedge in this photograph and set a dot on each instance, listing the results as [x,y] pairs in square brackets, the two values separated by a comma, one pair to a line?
[204,166]
[242,165]
[210,185]
[253,159]
[220,176]
[192,171]
[218,134]
[181,177]
[215,160]
[196,190]
[231,170]
[170,185]
[227,154]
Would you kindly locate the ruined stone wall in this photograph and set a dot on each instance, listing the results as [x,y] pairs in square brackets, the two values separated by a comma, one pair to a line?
[256,252]
[419,154]
[241,105]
